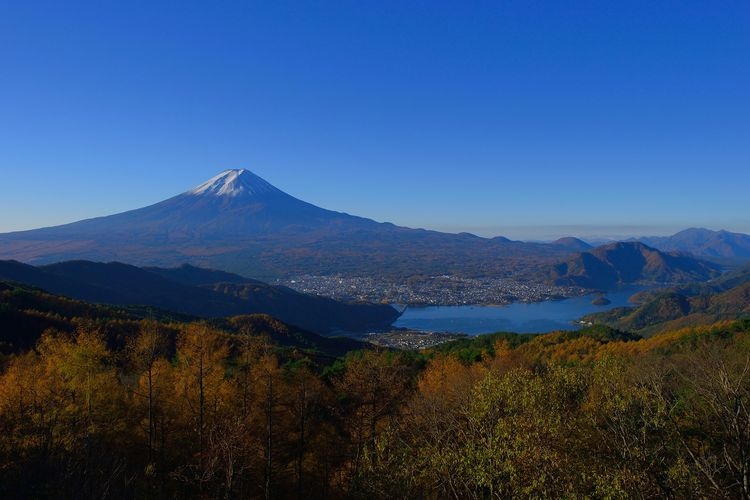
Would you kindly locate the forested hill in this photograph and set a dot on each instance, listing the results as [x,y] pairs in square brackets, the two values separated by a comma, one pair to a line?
[608,266]
[705,243]
[26,313]
[198,292]
[689,305]
[176,409]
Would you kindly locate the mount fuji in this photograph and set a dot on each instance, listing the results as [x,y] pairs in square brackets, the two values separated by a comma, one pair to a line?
[238,222]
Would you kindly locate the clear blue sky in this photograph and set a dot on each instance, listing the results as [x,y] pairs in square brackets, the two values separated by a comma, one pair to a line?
[496,117]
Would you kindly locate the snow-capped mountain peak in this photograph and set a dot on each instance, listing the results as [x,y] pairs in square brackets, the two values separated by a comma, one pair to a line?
[233,183]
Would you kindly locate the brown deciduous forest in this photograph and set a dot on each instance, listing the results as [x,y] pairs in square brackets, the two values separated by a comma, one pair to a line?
[163,409]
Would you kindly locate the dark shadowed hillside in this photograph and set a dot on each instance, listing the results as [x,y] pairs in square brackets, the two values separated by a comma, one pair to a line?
[122,284]
[26,313]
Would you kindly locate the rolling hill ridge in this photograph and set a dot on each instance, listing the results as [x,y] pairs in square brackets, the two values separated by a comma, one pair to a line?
[692,304]
[27,312]
[705,243]
[197,292]
[615,264]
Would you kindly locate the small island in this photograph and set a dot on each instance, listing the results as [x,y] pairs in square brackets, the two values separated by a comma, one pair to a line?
[601,301]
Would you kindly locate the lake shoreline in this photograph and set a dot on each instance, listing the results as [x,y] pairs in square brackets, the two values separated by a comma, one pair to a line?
[519,317]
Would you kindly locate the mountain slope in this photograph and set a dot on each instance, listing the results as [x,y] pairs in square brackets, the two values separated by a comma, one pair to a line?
[704,243]
[573,244]
[26,313]
[238,222]
[122,284]
[610,265]
[671,310]
[727,297]
[197,276]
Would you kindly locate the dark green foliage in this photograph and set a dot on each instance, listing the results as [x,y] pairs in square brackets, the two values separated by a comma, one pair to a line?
[599,332]
[470,349]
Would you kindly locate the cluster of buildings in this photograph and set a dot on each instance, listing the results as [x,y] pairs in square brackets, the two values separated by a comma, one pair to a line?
[433,290]
[410,339]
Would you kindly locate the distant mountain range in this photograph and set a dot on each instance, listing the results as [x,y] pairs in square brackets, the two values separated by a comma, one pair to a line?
[704,243]
[573,244]
[240,223]
[197,292]
[610,265]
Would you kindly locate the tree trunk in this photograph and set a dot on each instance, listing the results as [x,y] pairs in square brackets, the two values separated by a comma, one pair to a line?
[269,435]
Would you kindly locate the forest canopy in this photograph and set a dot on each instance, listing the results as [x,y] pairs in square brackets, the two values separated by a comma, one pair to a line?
[106,404]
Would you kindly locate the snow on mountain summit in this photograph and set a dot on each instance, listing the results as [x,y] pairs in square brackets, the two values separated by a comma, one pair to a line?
[233,183]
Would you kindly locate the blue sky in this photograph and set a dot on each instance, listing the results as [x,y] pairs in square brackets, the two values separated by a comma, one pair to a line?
[525,118]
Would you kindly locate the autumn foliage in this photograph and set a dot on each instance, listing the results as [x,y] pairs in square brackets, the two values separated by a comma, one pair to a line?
[191,410]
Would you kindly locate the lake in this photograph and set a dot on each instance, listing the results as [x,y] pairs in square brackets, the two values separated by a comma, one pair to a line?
[519,317]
